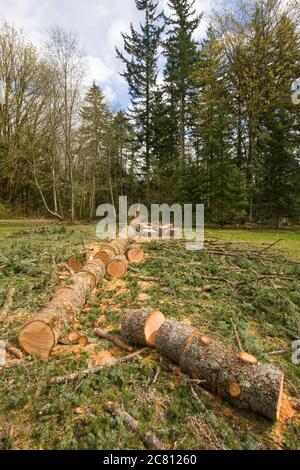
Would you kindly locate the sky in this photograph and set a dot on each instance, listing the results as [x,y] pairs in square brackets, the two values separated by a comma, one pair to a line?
[98,23]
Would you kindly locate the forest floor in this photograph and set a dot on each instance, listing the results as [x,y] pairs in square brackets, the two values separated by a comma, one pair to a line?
[258,290]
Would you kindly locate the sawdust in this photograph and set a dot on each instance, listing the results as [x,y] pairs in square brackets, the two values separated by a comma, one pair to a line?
[146,285]
[143,297]
[77,350]
[116,284]
[121,292]
[102,358]
[288,414]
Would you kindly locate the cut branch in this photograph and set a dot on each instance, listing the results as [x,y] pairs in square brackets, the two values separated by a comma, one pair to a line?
[8,302]
[93,371]
[113,339]
[149,440]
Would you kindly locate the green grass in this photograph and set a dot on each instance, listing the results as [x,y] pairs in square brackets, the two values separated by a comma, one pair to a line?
[35,415]
[289,244]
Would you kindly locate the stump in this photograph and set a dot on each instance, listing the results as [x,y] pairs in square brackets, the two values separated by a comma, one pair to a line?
[140,327]
[244,384]
[117,268]
[135,254]
[172,337]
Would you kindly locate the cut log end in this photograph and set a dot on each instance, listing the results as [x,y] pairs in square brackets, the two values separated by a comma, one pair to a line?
[37,338]
[74,264]
[105,256]
[83,341]
[136,255]
[280,398]
[117,268]
[152,326]
[140,327]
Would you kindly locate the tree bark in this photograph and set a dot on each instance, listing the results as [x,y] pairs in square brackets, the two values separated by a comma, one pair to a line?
[171,339]
[250,386]
[140,327]
[40,335]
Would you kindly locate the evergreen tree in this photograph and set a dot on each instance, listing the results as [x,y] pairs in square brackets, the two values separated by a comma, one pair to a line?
[181,54]
[222,188]
[140,58]
[96,153]
[280,168]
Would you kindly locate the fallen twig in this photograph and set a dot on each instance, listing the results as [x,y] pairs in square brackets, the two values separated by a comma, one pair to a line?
[281,351]
[237,335]
[92,371]
[8,301]
[53,270]
[149,440]
[270,246]
[113,339]
[14,351]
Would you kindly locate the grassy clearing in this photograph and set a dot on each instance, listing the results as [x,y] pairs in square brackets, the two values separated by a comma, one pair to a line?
[37,416]
[289,244]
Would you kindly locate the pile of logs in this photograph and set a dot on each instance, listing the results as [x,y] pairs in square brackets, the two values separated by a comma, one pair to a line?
[153,230]
[239,379]
[41,335]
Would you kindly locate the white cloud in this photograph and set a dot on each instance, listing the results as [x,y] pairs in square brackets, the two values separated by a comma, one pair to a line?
[99,24]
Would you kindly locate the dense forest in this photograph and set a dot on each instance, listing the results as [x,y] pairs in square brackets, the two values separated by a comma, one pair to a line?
[209,121]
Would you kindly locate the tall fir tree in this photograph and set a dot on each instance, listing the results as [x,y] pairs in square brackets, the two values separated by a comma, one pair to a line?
[279,194]
[97,119]
[140,58]
[181,59]
[221,185]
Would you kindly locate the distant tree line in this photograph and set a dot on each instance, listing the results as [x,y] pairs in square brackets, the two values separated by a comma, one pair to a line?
[209,122]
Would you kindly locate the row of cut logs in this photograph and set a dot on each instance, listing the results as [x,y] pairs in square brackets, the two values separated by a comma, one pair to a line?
[41,335]
[114,260]
[239,379]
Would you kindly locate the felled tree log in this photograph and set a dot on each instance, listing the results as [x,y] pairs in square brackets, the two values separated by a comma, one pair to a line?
[40,335]
[106,255]
[149,440]
[135,254]
[117,268]
[244,384]
[116,246]
[141,326]
[171,339]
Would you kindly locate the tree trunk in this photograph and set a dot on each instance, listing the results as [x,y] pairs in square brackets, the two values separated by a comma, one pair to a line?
[40,335]
[253,386]
[140,327]
[105,255]
[171,339]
